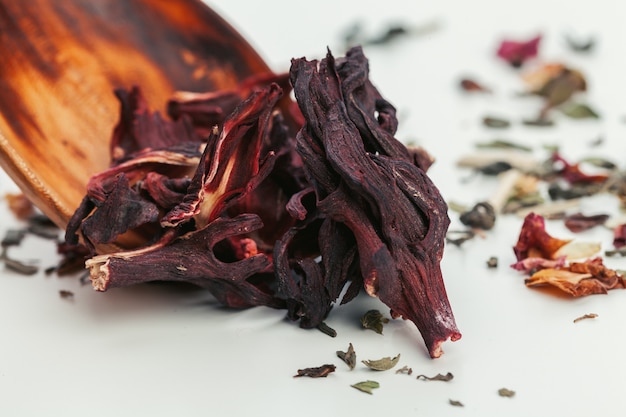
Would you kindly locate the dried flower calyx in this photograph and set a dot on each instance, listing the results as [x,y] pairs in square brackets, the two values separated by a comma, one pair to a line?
[244,193]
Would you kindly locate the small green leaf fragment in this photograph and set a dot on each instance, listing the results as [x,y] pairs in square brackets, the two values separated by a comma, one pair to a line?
[349,356]
[374,320]
[439,377]
[496,122]
[382,364]
[579,111]
[366,386]
[503,144]
[456,403]
[505,392]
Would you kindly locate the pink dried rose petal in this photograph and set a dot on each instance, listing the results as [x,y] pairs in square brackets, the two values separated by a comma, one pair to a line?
[516,52]
[531,265]
[579,278]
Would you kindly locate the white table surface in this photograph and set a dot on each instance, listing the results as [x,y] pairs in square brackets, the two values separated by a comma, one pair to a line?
[162,351]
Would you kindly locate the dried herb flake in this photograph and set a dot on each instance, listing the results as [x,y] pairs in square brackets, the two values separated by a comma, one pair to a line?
[382,364]
[439,377]
[505,392]
[586,316]
[374,320]
[456,403]
[349,356]
[316,372]
[366,386]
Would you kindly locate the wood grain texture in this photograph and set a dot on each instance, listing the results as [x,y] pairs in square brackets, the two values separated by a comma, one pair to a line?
[60,62]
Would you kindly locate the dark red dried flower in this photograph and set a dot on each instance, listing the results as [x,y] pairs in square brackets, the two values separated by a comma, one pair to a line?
[246,207]
[572,173]
[534,241]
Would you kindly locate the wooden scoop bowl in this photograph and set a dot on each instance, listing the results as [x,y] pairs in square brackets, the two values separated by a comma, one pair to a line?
[61,61]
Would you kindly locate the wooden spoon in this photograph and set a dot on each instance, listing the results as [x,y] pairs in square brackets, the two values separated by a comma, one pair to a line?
[61,61]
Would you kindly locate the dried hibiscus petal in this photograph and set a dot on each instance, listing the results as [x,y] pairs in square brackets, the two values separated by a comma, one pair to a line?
[572,173]
[534,241]
[261,215]
[365,179]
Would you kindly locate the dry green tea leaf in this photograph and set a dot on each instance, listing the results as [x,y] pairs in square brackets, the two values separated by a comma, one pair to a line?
[349,356]
[579,111]
[374,320]
[496,122]
[66,294]
[503,144]
[504,392]
[492,262]
[317,372]
[456,403]
[439,377]
[382,364]
[366,386]
[586,316]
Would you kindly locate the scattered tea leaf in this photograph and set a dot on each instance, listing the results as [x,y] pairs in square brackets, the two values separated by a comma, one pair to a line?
[456,403]
[374,320]
[599,162]
[579,111]
[66,294]
[383,364]
[495,168]
[317,372]
[349,356]
[366,386]
[13,237]
[458,237]
[616,252]
[492,262]
[503,144]
[439,377]
[326,329]
[586,316]
[496,122]
[538,122]
[405,370]
[481,216]
[19,266]
[504,392]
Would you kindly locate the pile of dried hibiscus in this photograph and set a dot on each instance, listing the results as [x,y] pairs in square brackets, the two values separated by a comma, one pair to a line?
[264,201]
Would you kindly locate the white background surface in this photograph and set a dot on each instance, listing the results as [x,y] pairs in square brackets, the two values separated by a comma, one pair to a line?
[172,351]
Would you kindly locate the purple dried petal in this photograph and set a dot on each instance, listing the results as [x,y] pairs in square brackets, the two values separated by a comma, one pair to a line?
[122,210]
[396,214]
[139,129]
[229,161]
[190,258]
[578,222]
